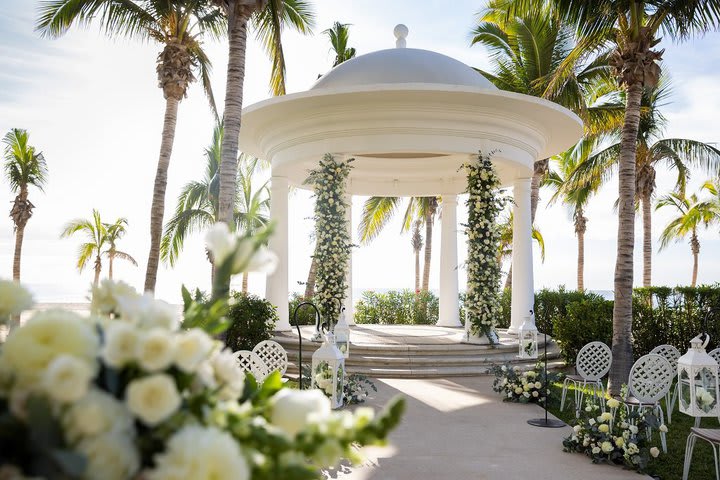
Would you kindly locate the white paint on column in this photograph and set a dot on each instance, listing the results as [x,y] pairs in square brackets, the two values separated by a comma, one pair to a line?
[523,289]
[449,315]
[277,291]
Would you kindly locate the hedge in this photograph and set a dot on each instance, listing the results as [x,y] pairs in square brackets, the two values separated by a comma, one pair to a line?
[253,320]
[397,307]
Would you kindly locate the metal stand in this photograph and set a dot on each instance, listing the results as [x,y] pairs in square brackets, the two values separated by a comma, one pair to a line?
[546,422]
[297,325]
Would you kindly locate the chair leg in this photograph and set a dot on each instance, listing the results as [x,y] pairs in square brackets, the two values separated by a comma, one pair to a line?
[668,406]
[715,454]
[689,446]
[663,439]
[564,393]
[579,394]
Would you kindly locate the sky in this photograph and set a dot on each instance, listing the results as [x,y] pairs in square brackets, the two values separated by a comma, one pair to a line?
[92,106]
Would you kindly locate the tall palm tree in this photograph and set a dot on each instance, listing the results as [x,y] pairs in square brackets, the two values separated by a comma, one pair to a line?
[114,232]
[178,26]
[377,212]
[338,35]
[269,17]
[691,215]
[417,243]
[24,167]
[505,244]
[95,232]
[197,207]
[633,28]
[653,151]
[575,195]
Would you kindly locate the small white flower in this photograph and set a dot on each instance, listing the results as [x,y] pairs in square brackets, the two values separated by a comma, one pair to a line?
[293,409]
[153,399]
[155,350]
[654,451]
[110,456]
[228,375]
[121,342]
[663,428]
[191,348]
[220,242]
[67,378]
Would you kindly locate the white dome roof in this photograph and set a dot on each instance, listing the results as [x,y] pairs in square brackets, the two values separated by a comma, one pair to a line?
[402,65]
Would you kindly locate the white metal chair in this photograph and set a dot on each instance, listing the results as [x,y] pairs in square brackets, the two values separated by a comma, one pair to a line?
[672,355]
[710,435]
[715,354]
[252,363]
[650,379]
[273,356]
[592,364]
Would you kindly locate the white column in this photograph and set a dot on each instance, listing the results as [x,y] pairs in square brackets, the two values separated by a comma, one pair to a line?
[276,289]
[449,315]
[348,272]
[523,290]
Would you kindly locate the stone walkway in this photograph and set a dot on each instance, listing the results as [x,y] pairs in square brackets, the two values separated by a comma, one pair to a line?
[459,429]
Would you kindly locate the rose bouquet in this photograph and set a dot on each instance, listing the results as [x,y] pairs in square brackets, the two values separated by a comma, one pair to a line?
[616,436]
[515,385]
[131,393]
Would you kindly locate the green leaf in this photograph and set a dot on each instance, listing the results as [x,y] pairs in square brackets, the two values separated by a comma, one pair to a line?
[72,463]
[187,299]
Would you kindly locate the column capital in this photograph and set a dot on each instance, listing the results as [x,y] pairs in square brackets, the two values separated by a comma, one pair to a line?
[449,198]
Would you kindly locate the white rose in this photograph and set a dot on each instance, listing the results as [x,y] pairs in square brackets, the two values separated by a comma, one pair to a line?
[228,375]
[293,409]
[577,428]
[110,456]
[105,296]
[147,312]
[633,429]
[67,378]
[155,350]
[121,342]
[263,261]
[14,298]
[654,451]
[200,453]
[663,428]
[607,447]
[153,399]
[29,350]
[191,348]
[613,403]
[94,414]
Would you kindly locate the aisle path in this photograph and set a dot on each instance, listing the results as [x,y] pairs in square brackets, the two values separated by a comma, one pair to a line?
[458,429]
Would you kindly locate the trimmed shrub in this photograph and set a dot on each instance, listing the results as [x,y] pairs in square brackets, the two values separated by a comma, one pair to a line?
[552,304]
[305,316]
[253,320]
[585,321]
[397,307]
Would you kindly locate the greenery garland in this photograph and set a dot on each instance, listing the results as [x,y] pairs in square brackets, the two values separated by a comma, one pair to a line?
[331,233]
[482,303]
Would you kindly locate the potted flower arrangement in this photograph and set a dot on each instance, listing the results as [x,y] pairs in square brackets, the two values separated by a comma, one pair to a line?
[134,392]
[616,436]
[530,386]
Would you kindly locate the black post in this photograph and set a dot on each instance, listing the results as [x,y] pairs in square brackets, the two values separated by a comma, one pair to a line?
[546,422]
[297,325]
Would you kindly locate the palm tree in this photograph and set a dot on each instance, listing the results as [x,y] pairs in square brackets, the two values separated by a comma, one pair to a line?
[197,206]
[575,195]
[632,28]
[178,26]
[377,212]
[692,214]
[653,151]
[114,232]
[269,18]
[95,232]
[338,36]
[417,243]
[24,167]
[505,244]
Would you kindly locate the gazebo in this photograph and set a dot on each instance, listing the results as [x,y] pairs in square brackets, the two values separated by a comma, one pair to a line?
[410,118]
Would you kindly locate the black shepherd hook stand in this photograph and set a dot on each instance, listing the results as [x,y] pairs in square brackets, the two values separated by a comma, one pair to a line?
[297,325]
[545,422]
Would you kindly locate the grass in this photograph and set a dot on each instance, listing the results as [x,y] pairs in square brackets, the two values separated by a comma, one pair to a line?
[667,466]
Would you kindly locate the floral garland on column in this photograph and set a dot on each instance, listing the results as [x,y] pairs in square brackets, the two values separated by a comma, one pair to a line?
[331,233]
[482,304]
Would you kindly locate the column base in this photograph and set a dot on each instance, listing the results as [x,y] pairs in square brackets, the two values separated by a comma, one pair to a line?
[449,322]
[512,330]
[283,326]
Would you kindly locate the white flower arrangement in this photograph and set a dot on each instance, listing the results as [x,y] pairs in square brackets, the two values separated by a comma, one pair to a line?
[115,398]
[530,386]
[333,242]
[482,300]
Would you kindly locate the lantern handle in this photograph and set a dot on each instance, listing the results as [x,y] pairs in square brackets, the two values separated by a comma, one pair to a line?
[705,335]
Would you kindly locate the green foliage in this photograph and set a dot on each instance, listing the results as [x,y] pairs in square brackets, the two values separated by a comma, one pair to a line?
[505,303]
[305,316]
[551,304]
[397,307]
[252,321]
[587,320]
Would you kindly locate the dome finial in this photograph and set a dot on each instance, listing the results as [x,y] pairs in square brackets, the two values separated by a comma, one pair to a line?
[401,32]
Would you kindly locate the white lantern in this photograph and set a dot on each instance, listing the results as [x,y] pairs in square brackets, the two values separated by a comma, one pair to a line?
[698,381]
[528,339]
[342,335]
[328,371]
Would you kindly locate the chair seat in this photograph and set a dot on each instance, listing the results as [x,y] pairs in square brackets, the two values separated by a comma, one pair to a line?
[574,378]
[632,401]
[711,435]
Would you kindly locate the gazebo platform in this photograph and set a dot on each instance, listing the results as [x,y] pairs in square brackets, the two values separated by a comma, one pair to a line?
[416,351]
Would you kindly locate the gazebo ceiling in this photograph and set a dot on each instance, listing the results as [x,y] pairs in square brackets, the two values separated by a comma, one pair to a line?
[410,118]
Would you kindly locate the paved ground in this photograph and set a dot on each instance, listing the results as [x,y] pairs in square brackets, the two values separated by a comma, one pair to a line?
[458,429]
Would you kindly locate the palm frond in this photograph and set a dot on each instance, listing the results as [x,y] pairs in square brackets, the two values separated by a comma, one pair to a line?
[377,211]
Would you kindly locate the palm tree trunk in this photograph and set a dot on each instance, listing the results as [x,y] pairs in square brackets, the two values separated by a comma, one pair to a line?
[622,310]
[647,240]
[238,16]
[508,279]
[312,275]
[245,282]
[417,271]
[581,260]
[539,170]
[98,268]
[157,210]
[695,246]
[19,236]
[428,251]
[111,258]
